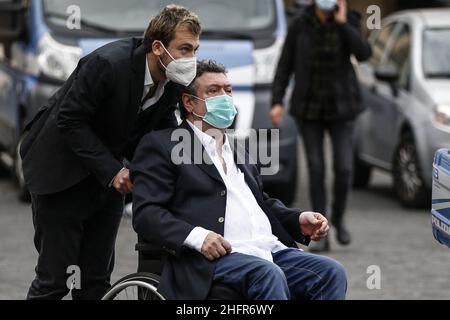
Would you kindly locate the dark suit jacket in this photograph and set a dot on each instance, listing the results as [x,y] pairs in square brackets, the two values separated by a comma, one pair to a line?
[170,200]
[91,124]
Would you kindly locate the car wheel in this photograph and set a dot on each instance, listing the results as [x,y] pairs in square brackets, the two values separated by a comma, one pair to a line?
[408,182]
[24,194]
[361,174]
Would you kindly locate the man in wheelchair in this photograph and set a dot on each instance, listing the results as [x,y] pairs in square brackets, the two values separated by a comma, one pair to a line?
[210,214]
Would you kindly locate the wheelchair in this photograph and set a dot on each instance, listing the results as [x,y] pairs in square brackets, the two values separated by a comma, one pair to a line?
[143,285]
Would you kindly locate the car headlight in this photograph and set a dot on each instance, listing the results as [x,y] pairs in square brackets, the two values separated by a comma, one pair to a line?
[441,115]
[56,60]
[266,61]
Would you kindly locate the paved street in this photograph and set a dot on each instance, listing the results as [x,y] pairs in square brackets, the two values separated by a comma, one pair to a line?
[399,241]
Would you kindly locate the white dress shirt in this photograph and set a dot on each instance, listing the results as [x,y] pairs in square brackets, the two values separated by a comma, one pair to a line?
[247,227]
[148,84]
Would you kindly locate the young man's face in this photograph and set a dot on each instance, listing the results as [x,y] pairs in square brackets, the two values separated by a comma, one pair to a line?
[183,45]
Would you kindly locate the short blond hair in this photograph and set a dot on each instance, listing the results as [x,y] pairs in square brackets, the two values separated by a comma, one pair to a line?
[167,22]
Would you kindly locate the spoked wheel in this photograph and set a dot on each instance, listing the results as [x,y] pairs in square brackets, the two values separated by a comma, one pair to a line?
[408,182]
[138,286]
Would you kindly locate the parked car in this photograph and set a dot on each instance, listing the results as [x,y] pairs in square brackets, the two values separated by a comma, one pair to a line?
[406,88]
[38,52]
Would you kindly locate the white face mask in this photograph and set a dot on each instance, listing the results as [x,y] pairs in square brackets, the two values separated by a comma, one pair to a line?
[181,71]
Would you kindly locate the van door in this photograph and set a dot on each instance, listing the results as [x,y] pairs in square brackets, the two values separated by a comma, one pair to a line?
[371,135]
[391,113]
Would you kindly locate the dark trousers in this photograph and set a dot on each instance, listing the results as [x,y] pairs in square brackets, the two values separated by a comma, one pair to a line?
[293,275]
[75,228]
[341,133]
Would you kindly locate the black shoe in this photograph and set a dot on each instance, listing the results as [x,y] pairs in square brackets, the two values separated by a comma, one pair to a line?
[320,246]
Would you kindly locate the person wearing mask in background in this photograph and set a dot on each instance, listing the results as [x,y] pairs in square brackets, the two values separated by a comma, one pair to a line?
[74,151]
[326,97]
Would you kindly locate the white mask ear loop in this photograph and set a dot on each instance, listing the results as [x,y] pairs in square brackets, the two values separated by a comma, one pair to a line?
[167,51]
[159,58]
[201,117]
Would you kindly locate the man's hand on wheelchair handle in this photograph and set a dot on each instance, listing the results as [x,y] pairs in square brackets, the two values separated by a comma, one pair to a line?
[215,247]
[122,182]
[315,225]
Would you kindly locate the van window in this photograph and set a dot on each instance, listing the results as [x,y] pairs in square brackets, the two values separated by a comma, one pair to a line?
[133,15]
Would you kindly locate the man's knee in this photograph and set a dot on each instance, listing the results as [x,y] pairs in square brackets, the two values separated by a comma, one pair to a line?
[272,280]
[337,271]
[270,272]
[336,279]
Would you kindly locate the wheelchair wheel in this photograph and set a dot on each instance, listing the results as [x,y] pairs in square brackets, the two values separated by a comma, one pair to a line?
[137,286]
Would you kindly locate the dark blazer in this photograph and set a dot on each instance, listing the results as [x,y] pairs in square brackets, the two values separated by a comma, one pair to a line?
[297,57]
[91,124]
[170,200]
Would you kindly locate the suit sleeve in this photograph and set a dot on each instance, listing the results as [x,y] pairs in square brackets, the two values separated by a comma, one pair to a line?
[354,39]
[285,66]
[154,176]
[90,88]
[288,217]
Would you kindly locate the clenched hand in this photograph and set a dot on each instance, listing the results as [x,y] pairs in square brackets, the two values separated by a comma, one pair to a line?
[215,247]
[315,225]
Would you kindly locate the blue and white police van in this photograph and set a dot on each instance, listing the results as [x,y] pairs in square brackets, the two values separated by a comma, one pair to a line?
[40,47]
[440,213]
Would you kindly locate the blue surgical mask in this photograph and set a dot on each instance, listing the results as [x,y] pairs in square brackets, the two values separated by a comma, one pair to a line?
[326,5]
[221,111]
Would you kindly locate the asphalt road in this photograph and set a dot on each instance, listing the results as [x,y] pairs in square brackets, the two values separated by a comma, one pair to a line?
[397,241]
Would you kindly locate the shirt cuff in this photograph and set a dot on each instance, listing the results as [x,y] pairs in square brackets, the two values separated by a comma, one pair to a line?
[196,238]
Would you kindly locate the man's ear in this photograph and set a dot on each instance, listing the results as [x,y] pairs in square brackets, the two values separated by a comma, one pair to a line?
[187,103]
[157,48]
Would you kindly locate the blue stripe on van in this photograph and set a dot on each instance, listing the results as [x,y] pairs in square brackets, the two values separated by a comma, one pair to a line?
[438,201]
[445,212]
[231,53]
[90,45]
